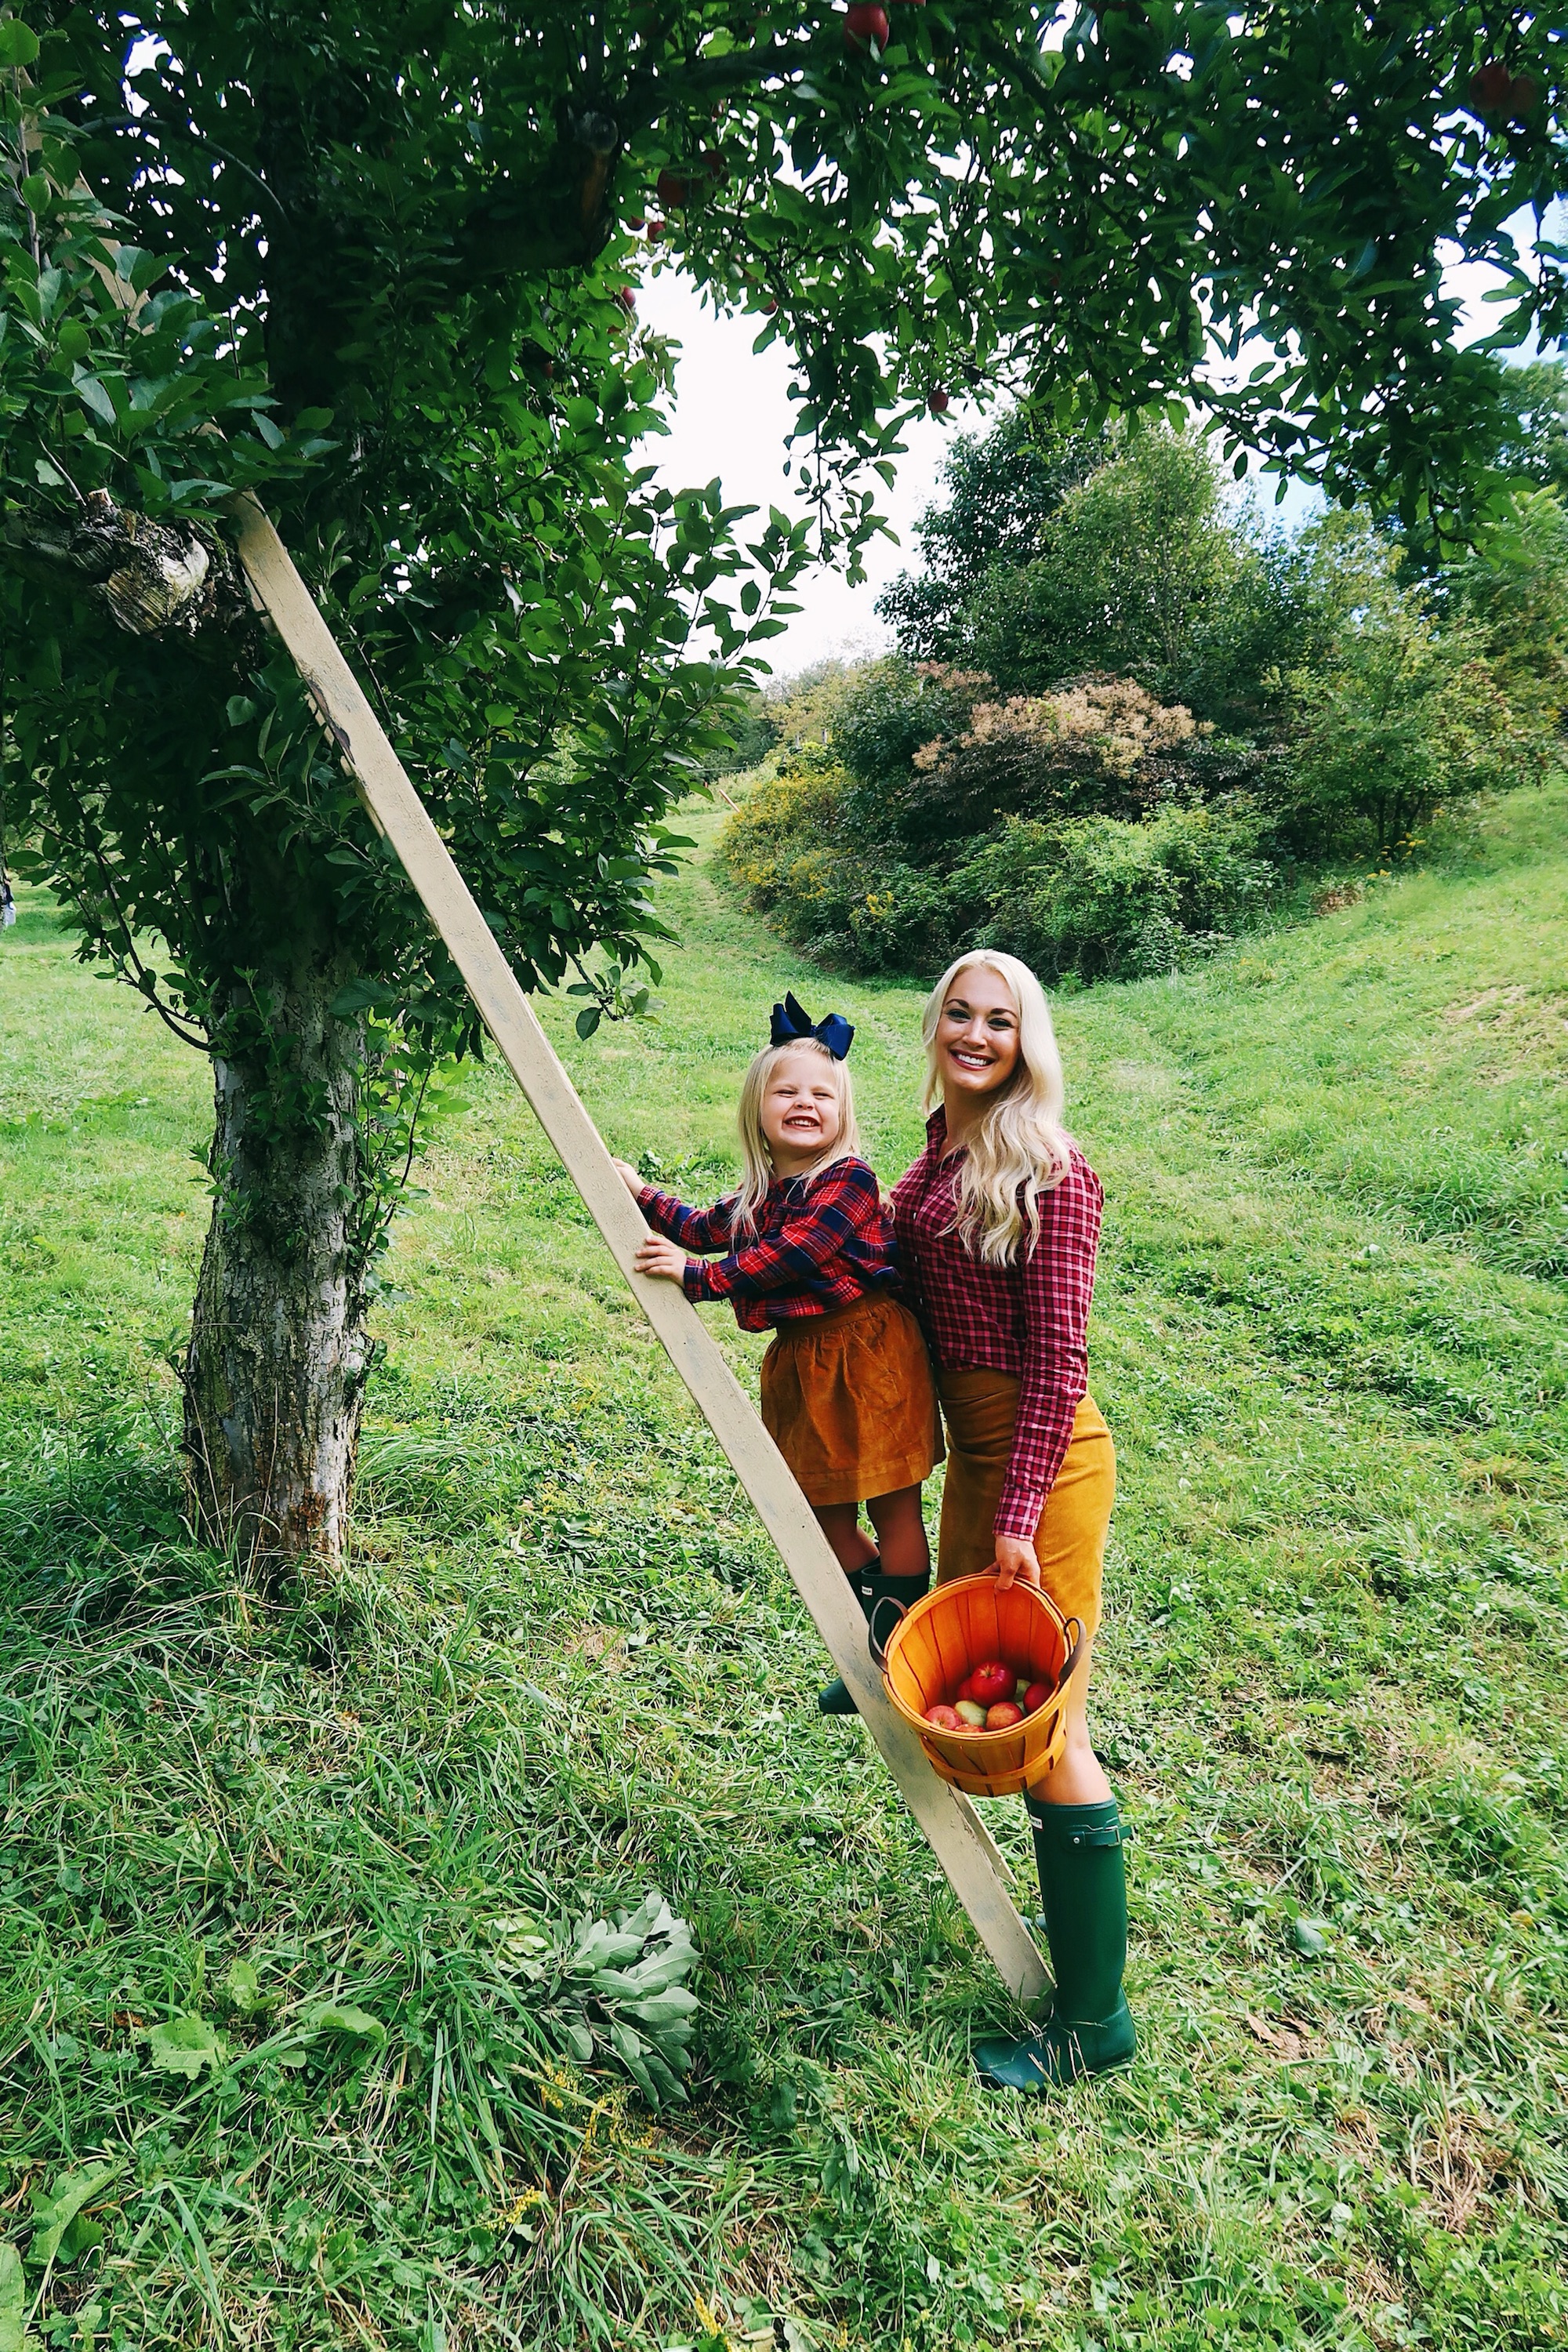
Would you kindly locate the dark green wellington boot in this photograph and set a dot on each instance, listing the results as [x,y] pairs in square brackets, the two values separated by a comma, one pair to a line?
[871,1586]
[1083,1886]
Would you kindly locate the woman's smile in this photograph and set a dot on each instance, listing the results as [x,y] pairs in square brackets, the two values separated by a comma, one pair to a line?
[977,1039]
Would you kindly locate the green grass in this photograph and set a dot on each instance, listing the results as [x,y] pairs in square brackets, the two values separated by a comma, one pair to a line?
[563,1669]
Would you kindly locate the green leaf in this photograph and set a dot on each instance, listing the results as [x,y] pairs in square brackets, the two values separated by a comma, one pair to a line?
[13,2286]
[588,1020]
[333,2017]
[183,2046]
[1309,1938]
[54,2213]
[240,709]
[95,397]
[243,1987]
[18,46]
[80,2235]
[359,995]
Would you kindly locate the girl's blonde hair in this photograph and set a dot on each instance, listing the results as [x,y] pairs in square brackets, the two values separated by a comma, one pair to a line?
[1020,1148]
[755,1157]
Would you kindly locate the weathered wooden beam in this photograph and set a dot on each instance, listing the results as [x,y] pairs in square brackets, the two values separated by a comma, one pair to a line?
[958,1838]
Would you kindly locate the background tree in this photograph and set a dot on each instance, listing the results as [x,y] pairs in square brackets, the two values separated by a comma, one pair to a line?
[1137,561]
[390,255]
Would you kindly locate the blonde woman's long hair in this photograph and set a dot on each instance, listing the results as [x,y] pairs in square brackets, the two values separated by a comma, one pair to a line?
[756,1159]
[1020,1148]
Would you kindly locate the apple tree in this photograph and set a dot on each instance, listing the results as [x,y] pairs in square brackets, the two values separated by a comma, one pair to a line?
[380,267]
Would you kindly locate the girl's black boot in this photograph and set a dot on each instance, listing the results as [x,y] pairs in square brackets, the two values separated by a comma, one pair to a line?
[870,1585]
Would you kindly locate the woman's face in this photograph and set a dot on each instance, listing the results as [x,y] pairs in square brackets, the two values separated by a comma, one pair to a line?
[977,1034]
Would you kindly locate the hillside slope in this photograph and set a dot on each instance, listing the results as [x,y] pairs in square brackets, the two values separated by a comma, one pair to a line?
[1329,1338]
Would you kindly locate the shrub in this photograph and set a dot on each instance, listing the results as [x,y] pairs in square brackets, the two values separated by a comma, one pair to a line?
[1512,587]
[1404,721]
[1101,745]
[763,846]
[1101,898]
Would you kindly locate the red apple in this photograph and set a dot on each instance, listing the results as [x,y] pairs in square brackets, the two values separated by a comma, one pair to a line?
[970,1714]
[1036,1696]
[1491,86]
[655,231]
[673,189]
[865,22]
[1523,97]
[635,220]
[946,1718]
[993,1681]
[937,402]
[626,299]
[1003,1715]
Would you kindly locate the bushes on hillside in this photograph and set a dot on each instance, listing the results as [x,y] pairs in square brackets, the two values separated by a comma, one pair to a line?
[1091,894]
[1094,830]
[1104,898]
[1408,707]
[1148,714]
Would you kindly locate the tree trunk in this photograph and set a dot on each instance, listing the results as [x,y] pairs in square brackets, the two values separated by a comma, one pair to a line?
[276,1373]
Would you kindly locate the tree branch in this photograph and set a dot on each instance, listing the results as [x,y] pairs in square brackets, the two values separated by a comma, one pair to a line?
[152,579]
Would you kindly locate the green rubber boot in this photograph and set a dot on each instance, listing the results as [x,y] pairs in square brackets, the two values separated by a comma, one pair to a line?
[1083,1886]
[871,1586]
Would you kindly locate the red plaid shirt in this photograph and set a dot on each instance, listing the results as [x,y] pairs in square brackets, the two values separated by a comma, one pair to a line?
[1028,1319]
[820,1242]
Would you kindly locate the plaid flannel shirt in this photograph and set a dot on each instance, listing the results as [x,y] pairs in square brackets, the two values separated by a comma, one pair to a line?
[1029,1318]
[820,1242]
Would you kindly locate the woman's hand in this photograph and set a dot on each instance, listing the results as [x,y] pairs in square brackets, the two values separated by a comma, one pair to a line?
[667,1261]
[628,1176]
[1016,1557]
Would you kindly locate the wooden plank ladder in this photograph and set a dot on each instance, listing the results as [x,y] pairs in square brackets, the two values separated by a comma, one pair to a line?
[958,1838]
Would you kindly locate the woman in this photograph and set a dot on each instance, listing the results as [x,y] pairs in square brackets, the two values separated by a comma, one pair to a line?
[998,1222]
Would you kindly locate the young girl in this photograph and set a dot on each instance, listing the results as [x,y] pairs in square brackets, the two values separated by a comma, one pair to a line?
[808,1253]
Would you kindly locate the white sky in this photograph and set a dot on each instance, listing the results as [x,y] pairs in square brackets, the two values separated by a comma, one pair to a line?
[732,411]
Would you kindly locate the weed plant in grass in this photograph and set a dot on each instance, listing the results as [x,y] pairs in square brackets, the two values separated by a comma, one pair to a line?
[268,1872]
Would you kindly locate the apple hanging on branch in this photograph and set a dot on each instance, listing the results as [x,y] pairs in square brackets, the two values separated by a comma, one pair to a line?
[865,26]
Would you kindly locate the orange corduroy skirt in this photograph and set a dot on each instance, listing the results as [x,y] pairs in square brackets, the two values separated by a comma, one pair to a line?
[849,1400]
[980,1408]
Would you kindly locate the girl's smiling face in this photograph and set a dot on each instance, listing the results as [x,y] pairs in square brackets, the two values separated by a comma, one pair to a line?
[800,1116]
[977,1042]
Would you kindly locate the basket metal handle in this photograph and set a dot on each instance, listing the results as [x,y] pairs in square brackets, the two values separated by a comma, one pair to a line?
[1073,1656]
[878,1654]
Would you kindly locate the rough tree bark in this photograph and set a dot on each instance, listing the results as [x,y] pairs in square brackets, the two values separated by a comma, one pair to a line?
[276,1373]
[154,579]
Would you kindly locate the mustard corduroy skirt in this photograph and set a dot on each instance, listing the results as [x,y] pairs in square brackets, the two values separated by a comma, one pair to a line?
[980,1408]
[849,1400]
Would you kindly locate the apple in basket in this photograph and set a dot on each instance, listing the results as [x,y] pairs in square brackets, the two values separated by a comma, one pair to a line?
[1036,1696]
[989,1683]
[944,1718]
[970,1714]
[1003,1715]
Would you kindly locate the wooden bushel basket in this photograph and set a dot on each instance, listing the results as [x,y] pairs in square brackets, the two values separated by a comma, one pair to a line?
[954,1629]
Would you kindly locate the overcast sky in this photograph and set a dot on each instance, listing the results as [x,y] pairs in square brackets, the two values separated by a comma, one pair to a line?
[732,411]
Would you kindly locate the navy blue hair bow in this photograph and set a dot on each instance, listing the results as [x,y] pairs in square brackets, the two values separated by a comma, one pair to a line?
[791,1021]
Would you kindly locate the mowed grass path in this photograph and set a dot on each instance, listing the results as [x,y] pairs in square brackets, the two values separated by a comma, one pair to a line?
[1329,1336]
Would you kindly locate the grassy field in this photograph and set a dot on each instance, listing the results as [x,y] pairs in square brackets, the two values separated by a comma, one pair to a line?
[563,1670]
